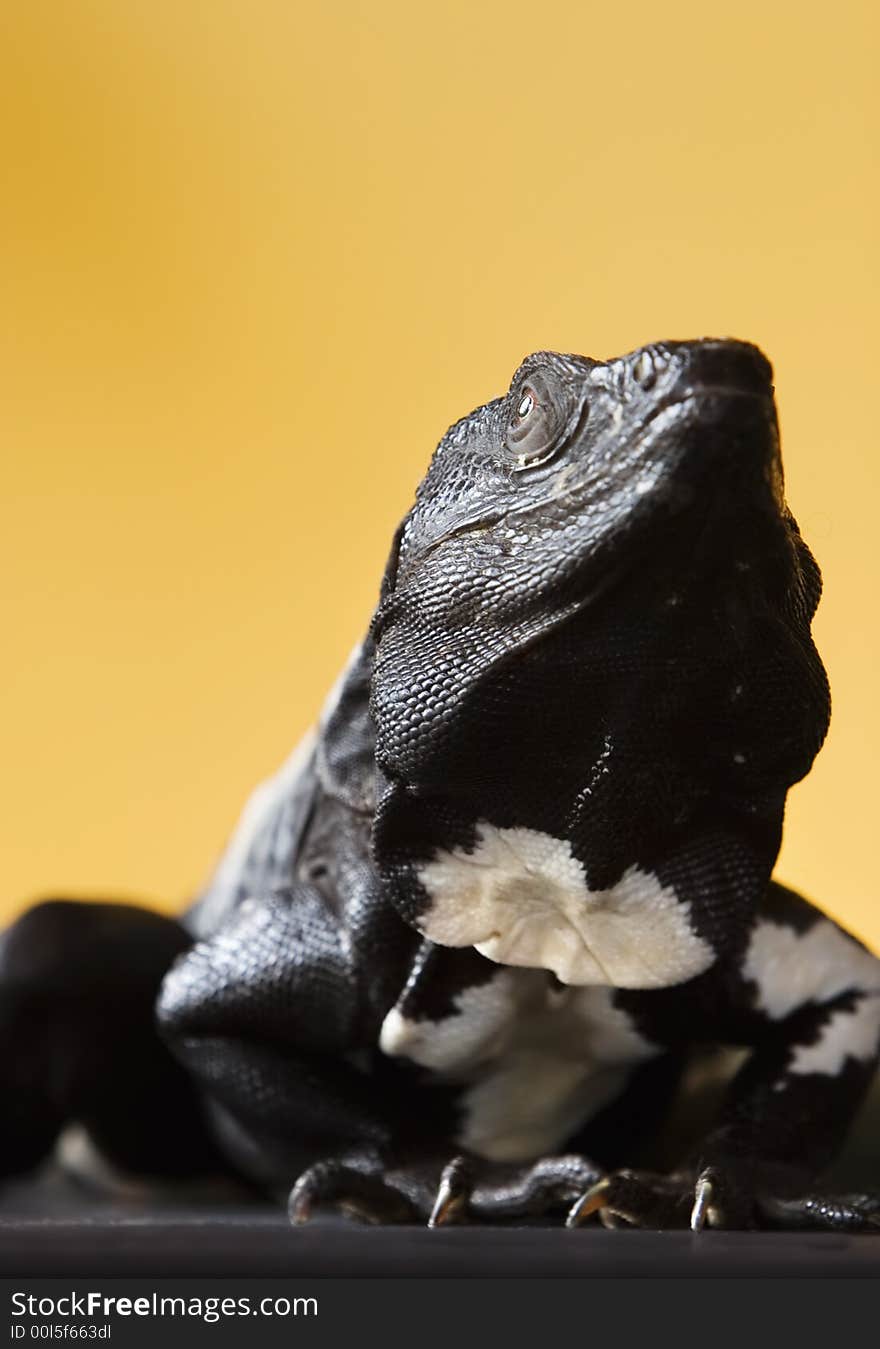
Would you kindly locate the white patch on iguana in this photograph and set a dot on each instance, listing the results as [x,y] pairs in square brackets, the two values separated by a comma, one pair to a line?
[521,898]
[847,1034]
[791,968]
[470,1036]
[535,1062]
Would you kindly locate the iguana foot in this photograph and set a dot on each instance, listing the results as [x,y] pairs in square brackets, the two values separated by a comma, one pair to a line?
[716,1198]
[636,1199]
[464,1189]
[355,1184]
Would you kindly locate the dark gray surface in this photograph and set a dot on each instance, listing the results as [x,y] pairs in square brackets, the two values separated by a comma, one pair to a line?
[52,1226]
[256,1243]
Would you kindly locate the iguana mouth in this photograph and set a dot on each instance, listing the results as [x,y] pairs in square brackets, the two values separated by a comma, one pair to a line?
[691,397]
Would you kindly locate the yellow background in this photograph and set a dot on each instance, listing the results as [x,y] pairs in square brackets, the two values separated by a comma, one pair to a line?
[257,255]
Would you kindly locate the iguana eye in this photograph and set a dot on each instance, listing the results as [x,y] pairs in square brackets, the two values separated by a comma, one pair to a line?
[533,430]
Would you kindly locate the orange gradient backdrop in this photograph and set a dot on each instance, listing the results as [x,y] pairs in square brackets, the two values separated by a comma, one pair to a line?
[257,256]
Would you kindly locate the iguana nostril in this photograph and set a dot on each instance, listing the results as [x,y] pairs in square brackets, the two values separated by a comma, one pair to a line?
[648,365]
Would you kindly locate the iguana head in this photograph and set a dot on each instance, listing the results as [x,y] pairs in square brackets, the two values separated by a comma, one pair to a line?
[573,469]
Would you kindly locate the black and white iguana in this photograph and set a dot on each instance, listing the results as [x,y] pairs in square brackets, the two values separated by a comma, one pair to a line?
[460,946]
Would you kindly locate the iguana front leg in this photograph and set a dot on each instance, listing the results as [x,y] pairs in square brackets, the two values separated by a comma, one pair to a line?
[807,1000]
[267,1017]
